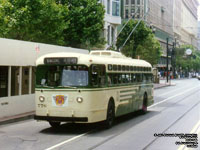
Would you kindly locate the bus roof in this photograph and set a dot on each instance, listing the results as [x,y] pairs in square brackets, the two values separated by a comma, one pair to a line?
[107,57]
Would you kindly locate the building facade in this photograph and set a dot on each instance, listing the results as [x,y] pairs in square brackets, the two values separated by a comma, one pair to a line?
[133,8]
[158,16]
[170,19]
[112,20]
[189,22]
[198,36]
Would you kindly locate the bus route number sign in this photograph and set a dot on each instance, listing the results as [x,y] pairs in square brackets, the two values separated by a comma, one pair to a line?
[57,61]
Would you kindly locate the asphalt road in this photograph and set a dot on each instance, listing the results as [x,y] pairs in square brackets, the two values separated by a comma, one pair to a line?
[176,112]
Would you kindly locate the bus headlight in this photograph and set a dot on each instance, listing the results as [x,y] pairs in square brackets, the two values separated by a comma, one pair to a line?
[79,99]
[41,98]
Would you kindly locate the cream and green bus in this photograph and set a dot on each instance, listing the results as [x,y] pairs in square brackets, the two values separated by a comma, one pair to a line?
[89,88]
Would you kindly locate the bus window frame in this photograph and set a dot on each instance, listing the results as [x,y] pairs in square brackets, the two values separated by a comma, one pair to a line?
[63,65]
[99,79]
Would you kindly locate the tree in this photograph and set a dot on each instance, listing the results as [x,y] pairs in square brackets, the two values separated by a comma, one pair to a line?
[141,43]
[187,62]
[86,22]
[33,20]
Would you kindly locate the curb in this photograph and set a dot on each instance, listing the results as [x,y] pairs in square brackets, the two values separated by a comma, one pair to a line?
[17,118]
[163,85]
[158,87]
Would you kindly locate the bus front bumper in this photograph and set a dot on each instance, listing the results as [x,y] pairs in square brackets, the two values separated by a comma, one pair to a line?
[61,119]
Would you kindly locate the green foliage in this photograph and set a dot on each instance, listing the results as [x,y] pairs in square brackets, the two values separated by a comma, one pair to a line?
[141,43]
[33,20]
[86,23]
[189,63]
[75,23]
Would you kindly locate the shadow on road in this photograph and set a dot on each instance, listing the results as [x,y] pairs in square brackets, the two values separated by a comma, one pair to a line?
[121,124]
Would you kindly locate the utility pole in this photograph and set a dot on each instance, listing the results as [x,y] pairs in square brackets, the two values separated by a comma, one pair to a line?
[167,69]
[173,58]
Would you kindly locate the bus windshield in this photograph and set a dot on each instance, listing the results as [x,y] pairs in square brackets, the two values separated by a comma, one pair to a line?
[62,76]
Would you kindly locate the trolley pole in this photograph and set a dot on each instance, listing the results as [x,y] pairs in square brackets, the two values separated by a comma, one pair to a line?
[167,69]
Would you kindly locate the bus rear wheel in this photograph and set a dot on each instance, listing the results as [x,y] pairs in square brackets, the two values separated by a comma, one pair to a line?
[54,124]
[110,115]
[144,105]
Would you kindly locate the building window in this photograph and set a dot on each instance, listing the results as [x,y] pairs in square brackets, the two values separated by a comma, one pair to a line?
[132,11]
[126,14]
[138,13]
[14,81]
[108,35]
[113,34]
[139,10]
[127,2]
[108,6]
[33,80]
[133,2]
[3,81]
[138,2]
[115,7]
[25,80]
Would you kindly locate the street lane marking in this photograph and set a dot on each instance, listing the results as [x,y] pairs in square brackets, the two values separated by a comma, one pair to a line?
[171,91]
[76,137]
[195,130]
[196,127]
[69,140]
[172,97]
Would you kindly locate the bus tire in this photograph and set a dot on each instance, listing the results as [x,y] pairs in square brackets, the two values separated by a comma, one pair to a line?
[54,124]
[144,104]
[110,115]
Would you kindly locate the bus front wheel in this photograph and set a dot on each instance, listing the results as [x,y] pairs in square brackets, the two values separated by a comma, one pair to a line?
[110,115]
[54,124]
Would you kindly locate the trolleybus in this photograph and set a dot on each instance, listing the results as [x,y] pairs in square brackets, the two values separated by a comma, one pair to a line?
[89,88]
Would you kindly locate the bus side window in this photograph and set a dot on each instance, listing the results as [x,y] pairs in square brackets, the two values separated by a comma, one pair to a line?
[119,81]
[133,78]
[110,80]
[115,78]
[98,77]
[94,75]
[145,79]
[138,77]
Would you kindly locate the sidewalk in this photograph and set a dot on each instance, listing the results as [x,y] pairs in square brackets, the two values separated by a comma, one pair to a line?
[163,84]
[29,115]
[17,118]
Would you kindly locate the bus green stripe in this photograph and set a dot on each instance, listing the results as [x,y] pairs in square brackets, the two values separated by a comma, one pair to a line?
[93,89]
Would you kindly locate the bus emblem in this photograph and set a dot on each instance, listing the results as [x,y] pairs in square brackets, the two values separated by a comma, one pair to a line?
[60,100]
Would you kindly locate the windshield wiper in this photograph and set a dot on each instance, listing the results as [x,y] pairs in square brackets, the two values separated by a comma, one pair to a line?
[64,86]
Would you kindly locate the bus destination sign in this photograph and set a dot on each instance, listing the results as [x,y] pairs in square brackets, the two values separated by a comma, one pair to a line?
[60,61]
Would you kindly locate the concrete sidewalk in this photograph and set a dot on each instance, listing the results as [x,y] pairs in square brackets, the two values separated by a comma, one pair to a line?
[29,115]
[163,83]
[17,118]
